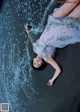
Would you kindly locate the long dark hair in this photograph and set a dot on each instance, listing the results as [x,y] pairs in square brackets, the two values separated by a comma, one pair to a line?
[42,67]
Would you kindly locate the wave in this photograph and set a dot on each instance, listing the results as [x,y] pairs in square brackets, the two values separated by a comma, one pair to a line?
[16,78]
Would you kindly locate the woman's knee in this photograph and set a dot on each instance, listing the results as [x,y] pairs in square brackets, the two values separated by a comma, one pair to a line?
[65,9]
[75,12]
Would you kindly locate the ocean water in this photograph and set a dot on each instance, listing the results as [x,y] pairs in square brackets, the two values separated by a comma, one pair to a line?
[16,86]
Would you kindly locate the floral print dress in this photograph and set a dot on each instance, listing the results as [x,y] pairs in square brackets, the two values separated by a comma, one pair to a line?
[59,32]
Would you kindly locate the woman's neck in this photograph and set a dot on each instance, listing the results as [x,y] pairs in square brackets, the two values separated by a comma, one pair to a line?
[39,56]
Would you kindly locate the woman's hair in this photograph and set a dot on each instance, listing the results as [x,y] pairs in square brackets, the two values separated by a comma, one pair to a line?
[42,67]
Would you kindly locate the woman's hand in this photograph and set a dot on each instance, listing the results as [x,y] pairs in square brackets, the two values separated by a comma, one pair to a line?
[50,82]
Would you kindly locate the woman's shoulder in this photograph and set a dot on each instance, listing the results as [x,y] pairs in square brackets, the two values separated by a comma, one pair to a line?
[48,58]
[38,46]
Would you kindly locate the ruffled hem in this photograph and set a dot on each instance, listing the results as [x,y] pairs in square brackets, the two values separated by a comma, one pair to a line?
[63,20]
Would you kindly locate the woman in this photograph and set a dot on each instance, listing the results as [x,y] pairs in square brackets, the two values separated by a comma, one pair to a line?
[63,28]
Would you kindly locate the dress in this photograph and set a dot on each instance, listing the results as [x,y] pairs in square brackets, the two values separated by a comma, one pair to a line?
[58,33]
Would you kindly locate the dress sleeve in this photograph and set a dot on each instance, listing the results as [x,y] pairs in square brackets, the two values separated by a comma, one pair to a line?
[38,47]
[48,50]
[43,50]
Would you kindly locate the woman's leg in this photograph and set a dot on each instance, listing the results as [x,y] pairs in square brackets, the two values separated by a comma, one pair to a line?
[65,9]
[75,12]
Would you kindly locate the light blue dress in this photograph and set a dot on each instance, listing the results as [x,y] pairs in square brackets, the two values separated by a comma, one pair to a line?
[59,32]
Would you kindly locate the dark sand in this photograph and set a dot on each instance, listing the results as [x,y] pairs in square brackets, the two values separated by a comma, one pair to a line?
[64,95]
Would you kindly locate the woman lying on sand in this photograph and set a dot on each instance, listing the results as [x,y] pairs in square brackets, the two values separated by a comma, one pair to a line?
[62,29]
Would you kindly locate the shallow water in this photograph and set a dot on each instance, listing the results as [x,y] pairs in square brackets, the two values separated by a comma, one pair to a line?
[16,86]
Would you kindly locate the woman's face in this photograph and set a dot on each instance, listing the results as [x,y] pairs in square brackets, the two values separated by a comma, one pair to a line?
[37,62]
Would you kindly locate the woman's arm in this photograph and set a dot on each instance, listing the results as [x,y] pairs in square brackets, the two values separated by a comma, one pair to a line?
[65,10]
[54,64]
[29,33]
